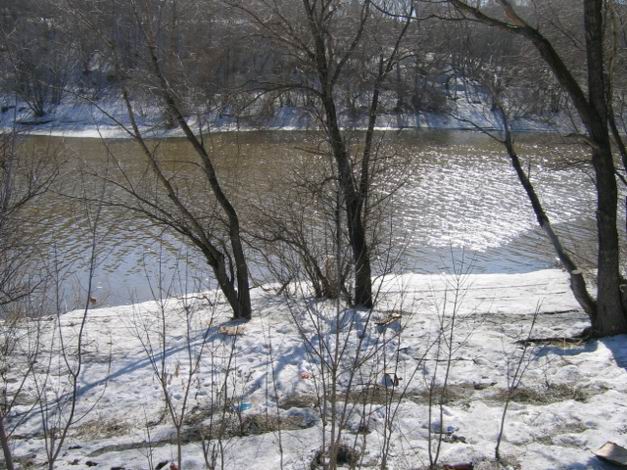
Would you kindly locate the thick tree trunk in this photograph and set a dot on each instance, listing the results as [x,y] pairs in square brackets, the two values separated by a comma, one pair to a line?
[610,318]
[238,299]
[238,295]
[354,209]
[243,283]
[4,441]
[348,186]
[361,256]
[242,291]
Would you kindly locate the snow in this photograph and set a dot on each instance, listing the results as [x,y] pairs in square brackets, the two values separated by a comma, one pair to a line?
[104,118]
[572,398]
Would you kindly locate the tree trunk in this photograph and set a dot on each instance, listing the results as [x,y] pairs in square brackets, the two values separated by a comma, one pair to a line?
[361,256]
[238,298]
[352,199]
[241,268]
[610,318]
[238,295]
[4,441]
[348,186]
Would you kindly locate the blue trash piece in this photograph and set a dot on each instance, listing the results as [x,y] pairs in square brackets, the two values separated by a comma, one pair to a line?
[451,429]
[243,406]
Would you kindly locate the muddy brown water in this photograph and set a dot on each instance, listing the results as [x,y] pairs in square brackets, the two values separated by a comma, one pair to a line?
[455,197]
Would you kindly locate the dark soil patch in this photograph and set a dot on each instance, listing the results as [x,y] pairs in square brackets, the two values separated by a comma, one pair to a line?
[374,394]
[559,342]
[345,456]
[505,464]
[232,426]
[249,425]
[452,393]
[34,123]
[544,395]
[102,429]
[380,395]
[299,401]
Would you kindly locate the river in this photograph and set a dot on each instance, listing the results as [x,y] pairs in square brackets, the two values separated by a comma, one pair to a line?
[455,196]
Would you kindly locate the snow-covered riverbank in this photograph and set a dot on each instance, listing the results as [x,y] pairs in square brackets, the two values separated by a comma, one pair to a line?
[572,398]
[104,119]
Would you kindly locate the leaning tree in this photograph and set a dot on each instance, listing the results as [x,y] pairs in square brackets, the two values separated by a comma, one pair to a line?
[592,97]
[159,69]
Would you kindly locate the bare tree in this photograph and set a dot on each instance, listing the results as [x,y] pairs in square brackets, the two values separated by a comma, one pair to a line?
[38,54]
[593,105]
[23,179]
[326,45]
[59,384]
[296,229]
[213,226]
[508,89]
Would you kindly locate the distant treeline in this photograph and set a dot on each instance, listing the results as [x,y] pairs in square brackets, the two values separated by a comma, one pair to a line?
[226,55]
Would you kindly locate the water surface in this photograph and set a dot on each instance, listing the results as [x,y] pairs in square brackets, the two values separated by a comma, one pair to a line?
[454,195]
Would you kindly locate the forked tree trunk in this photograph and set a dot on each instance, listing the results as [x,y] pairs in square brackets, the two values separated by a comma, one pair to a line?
[238,298]
[354,185]
[236,287]
[354,208]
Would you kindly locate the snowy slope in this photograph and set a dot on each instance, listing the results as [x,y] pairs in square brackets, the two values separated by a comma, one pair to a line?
[572,398]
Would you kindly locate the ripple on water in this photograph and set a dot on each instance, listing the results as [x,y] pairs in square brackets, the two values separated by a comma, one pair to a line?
[460,197]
